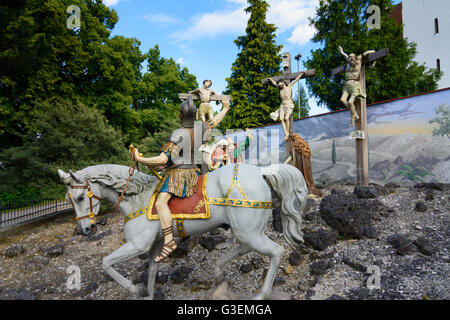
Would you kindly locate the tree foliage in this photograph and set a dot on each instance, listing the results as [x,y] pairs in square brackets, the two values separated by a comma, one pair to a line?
[259,58]
[43,63]
[69,135]
[344,23]
[304,103]
[443,121]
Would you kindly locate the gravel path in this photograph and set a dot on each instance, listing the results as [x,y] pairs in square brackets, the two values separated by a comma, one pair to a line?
[410,248]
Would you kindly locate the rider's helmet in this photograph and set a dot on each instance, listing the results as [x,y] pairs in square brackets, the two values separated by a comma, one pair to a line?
[188,112]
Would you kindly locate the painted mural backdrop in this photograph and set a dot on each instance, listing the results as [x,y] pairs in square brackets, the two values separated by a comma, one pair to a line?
[403,141]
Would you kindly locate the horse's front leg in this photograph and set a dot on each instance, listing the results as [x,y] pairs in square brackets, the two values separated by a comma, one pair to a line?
[124,253]
[153,269]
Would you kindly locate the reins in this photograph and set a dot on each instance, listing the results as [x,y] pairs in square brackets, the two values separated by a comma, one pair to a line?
[91,195]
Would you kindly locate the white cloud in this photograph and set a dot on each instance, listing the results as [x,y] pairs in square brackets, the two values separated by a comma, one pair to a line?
[288,15]
[181,61]
[110,3]
[160,18]
[209,25]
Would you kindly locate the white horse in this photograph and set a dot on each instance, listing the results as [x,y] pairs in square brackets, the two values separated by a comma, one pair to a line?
[87,186]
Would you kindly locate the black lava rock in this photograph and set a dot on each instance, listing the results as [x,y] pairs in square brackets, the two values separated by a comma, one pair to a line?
[53,251]
[17,294]
[349,216]
[211,241]
[319,268]
[420,206]
[405,250]
[14,251]
[424,246]
[279,281]
[180,274]
[397,240]
[354,264]
[321,239]
[431,186]
[159,294]
[295,258]
[429,196]
[185,246]
[363,192]
[246,267]
[161,277]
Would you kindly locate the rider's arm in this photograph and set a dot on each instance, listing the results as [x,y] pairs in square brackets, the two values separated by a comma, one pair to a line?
[153,161]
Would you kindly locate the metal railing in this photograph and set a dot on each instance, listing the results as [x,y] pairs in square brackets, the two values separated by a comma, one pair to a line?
[12,213]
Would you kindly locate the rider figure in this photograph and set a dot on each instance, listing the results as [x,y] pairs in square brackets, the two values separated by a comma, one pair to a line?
[180,178]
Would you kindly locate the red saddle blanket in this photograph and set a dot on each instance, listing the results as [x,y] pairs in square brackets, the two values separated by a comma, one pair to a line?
[194,207]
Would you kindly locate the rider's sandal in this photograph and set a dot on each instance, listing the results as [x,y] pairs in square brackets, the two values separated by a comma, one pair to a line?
[167,248]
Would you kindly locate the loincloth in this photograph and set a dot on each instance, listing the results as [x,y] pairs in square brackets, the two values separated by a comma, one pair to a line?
[283,111]
[354,89]
[204,109]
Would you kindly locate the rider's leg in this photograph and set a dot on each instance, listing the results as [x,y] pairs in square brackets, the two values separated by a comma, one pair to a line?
[351,104]
[165,217]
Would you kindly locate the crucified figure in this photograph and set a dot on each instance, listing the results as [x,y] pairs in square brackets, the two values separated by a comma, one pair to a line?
[287,105]
[352,84]
[205,98]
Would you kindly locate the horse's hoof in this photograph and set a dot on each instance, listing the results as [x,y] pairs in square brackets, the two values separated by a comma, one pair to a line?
[142,290]
[259,297]
[219,279]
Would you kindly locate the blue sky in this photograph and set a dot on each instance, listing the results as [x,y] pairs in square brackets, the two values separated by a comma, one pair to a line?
[199,34]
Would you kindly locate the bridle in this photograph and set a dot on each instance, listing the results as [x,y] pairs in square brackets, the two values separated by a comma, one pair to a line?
[91,195]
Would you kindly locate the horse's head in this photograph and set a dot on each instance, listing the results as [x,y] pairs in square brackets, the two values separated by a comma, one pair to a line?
[84,198]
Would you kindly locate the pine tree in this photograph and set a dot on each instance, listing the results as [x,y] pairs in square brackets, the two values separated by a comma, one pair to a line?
[344,23]
[304,103]
[333,152]
[259,58]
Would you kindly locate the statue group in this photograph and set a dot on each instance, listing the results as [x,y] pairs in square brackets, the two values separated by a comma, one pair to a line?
[189,198]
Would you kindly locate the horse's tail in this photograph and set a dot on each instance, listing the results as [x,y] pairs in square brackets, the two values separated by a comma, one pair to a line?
[291,187]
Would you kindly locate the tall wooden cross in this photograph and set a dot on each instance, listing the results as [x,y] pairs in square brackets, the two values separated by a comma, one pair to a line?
[362,146]
[215,97]
[289,76]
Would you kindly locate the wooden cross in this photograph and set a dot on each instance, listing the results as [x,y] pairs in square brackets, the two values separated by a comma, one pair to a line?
[289,76]
[362,147]
[215,97]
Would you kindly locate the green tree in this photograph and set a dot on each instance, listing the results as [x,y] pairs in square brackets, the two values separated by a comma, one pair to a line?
[344,23]
[443,121]
[41,58]
[413,174]
[304,103]
[69,135]
[156,98]
[259,58]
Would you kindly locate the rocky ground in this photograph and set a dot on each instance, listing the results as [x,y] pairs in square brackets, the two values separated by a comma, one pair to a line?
[350,235]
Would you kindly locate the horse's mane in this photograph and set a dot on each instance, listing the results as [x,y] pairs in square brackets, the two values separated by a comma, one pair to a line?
[116,176]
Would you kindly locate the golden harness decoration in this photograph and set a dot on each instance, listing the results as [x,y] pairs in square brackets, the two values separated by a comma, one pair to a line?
[245,203]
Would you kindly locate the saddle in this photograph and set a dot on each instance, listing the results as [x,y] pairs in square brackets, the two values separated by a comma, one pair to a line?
[193,207]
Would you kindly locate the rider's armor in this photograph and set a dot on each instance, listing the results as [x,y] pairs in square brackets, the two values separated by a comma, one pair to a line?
[181,177]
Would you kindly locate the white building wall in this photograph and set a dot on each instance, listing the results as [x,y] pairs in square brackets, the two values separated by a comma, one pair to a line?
[418,26]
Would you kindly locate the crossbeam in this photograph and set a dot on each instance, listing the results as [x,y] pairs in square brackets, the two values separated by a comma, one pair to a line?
[291,76]
[216,97]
